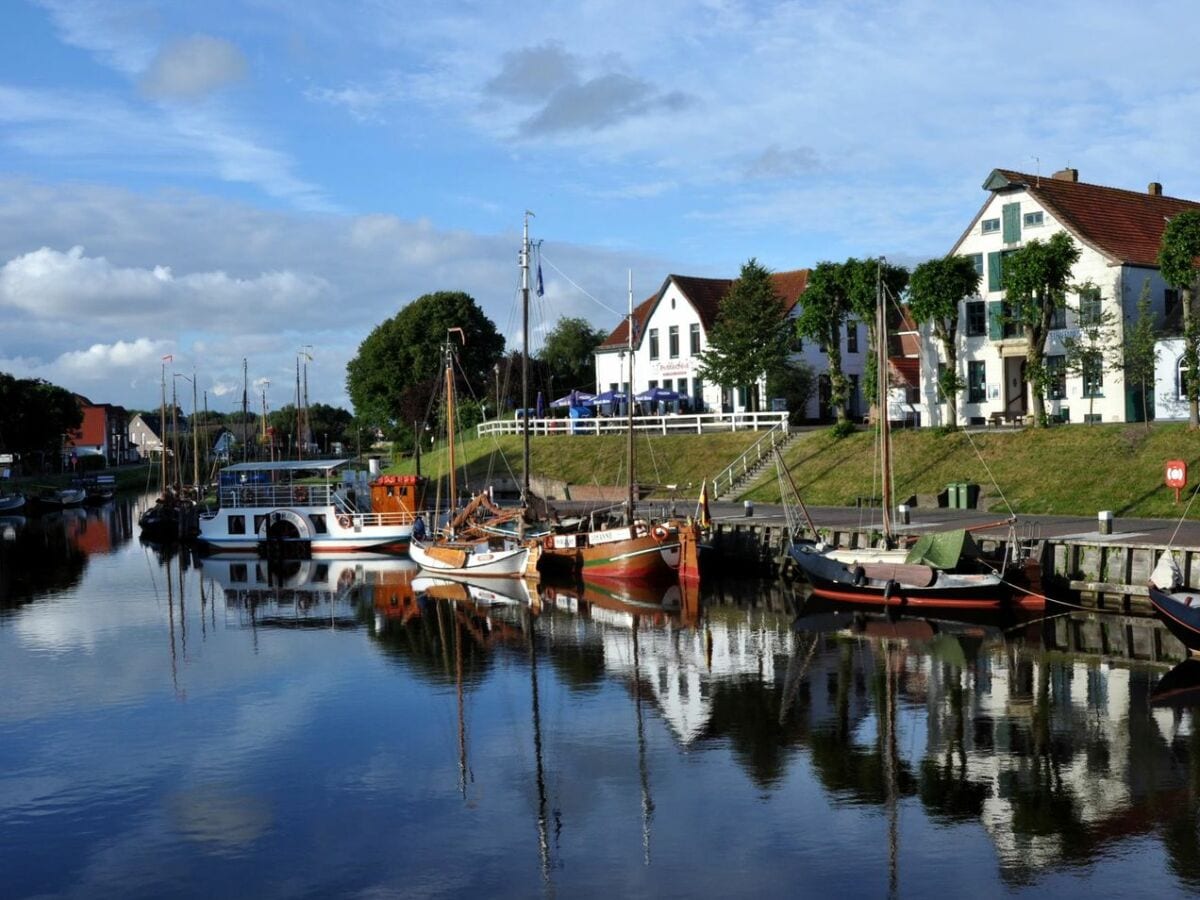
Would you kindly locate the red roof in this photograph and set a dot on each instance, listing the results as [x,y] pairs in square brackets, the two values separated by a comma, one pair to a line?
[705,294]
[1126,226]
[905,370]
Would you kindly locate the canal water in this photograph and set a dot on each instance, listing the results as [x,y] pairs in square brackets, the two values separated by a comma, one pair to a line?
[172,725]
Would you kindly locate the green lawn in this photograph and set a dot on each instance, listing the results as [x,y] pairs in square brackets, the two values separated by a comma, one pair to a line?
[1074,469]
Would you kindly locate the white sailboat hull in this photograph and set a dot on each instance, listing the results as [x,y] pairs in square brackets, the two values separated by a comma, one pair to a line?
[469,560]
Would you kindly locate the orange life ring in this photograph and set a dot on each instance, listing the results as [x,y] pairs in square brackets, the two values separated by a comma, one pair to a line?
[344,521]
[660,533]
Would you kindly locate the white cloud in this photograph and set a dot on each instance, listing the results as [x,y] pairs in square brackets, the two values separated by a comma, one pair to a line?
[193,67]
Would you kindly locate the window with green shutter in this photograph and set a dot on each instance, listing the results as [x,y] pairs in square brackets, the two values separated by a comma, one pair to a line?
[996,320]
[1011,214]
[995,272]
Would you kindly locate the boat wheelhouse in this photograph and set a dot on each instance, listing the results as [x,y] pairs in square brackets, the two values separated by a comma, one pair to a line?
[294,507]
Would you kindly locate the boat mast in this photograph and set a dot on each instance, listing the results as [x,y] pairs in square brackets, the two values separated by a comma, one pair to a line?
[885,433]
[195,442]
[175,435]
[629,406]
[524,358]
[450,414]
[162,430]
[245,414]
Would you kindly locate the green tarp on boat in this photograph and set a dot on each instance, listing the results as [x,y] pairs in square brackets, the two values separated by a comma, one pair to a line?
[942,550]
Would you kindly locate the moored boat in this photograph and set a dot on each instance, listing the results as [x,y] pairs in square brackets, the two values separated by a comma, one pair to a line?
[52,497]
[277,508]
[10,502]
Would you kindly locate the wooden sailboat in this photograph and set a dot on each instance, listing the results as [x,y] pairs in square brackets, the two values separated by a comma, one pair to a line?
[919,578]
[448,554]
[635,549]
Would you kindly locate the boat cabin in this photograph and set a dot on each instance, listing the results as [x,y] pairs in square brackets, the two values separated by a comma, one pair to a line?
[398,493]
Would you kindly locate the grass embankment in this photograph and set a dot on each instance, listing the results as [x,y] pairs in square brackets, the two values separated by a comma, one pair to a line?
[682,460]
[1071,470]
[128,478]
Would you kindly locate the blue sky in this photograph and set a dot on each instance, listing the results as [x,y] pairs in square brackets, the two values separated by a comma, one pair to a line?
[223,180]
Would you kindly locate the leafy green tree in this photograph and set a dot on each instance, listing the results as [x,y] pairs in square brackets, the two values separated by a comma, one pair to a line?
[1177,262]
[751,335]
[1141,350]
[936,292]
[824,308]
[36,417]
[568,353]
[865,279]
[1096,345]
[392,378]
[795,383]
[1036,280]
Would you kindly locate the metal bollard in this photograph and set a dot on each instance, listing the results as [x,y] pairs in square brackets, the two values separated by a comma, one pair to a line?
[1106,521]
[747,508]
[902,514]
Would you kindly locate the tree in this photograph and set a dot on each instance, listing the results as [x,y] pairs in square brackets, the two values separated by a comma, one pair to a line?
[393,376]
[751,335]
[37,416]
[1095,345]
[1141,350]
[568,353]
[1177,262]
[824,307]
[1036,279]
[935,294]
[794,382]
[865,279]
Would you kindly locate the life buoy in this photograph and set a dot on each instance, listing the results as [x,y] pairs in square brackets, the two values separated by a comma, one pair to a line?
[344,521]
[660,533]
[301,494]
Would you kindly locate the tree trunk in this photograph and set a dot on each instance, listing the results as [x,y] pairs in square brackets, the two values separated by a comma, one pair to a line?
[1033,362]
[950,397]
[837,380]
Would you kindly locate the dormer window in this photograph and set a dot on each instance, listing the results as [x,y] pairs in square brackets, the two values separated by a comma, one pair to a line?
[989,226]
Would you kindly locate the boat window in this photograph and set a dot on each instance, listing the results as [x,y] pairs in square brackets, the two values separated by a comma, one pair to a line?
[237,524]
[238,573]
[258,521]
[322,574]
[318,522]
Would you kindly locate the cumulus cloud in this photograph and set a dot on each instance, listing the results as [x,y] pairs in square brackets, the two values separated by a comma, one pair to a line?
[533,74]
[193,67]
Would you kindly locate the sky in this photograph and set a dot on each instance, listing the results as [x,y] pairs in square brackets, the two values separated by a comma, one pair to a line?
[268,180]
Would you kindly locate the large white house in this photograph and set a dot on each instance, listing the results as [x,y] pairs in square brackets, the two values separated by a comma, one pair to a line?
[671,331]
[1118,233]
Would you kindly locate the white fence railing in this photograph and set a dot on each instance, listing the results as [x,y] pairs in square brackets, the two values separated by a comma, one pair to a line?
[676,423]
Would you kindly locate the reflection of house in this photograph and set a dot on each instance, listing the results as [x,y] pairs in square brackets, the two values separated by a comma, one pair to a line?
[1118,233]
[103,433]
[671,331]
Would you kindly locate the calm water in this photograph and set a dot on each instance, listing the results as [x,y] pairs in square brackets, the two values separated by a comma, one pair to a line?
[173,726]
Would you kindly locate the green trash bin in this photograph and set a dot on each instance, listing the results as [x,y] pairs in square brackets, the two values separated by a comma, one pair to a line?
[952,495]
[969,496]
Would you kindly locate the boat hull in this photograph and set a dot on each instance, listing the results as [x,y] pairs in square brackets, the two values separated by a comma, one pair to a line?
[1180,612]
[834,580]
[638,553]
[467,560]
[320,529]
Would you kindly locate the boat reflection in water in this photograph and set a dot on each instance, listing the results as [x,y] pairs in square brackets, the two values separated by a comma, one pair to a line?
[319,592]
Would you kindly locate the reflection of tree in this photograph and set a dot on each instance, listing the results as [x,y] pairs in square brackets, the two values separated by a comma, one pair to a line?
[40,559]
[746,712]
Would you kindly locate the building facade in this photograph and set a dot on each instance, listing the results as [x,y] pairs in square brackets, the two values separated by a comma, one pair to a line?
[671,331]
[103,433]
[1118,233]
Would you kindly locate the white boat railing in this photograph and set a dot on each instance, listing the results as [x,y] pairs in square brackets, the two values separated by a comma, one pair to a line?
[246,495]
[672,423]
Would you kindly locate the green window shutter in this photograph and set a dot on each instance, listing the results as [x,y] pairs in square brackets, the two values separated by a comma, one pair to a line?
[1012,222]
[996,320]
[994,272]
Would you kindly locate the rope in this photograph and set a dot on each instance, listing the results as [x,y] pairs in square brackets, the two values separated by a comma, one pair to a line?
[573,284]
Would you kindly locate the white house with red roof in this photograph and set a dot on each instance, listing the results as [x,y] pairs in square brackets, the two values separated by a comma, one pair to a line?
[671,331]
[1118,233]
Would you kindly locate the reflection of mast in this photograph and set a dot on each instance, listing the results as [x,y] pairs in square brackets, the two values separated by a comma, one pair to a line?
[543,836]
[171,627]
[890,764]
[643,769]
[462,721]
[795,676]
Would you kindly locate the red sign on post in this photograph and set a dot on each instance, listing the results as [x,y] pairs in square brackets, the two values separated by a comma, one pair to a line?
[1176,475]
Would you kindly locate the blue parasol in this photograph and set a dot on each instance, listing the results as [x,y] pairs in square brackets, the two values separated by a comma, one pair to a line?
[655,394]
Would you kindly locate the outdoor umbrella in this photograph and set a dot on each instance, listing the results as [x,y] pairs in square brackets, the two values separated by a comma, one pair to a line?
[655,394]
[609,397]
[575,398]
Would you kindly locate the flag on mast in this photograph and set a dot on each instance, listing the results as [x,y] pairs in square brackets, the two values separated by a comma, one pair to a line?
[541,287]
[703,517]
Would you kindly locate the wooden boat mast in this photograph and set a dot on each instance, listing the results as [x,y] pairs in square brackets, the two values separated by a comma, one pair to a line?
[885,434]
[524,359]
[162,430]
[450,413]
[629,450]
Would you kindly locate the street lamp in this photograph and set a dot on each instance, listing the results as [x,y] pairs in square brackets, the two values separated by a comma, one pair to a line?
[496,369]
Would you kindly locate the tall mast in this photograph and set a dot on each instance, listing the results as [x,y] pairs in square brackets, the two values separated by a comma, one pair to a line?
[195,442]
[885,434]
[245,414]
[299,453]
[525,357]
[629,406]
[162,428]
[175,434]
[450,423]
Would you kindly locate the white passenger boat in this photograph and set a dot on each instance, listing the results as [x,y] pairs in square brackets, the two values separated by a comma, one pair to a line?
[299,506]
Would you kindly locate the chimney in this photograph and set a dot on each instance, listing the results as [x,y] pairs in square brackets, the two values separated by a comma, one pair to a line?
[1155,189]
[1071,175]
